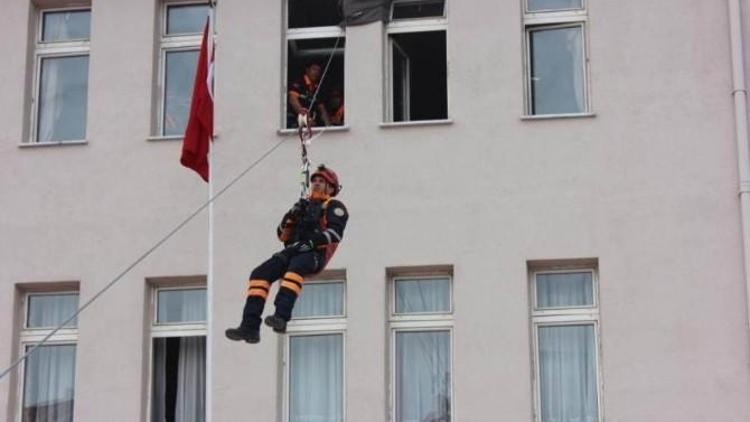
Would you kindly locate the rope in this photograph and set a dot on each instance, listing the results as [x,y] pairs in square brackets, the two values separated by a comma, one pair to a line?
[179,226]
[141,258]
[305,126]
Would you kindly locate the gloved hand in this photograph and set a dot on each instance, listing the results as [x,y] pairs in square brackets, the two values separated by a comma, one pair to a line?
[301,247]
[298,208]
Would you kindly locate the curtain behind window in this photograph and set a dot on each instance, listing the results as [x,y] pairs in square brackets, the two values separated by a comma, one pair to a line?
[49,384]
[316,378]
[179,381]
[567,372]
[320,300]
[423,376]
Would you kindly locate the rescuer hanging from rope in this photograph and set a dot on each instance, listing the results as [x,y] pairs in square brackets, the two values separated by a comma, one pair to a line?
[311,231]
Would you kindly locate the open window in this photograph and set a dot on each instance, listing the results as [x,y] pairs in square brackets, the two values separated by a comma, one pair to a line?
[314,78]
[416,71]
[556,68]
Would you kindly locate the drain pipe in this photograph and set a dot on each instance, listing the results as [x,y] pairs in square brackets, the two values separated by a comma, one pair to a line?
[739,93]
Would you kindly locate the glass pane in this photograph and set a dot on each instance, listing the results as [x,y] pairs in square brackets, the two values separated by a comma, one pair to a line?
[184,305]
[564,289]
[423,376]
[51,310]
[316,378]
[557,77]
[311,13]
[319,300]
[567,372]
[537,5]
[178,387]
[180,72]
[49,381]
[421,9]
[63,93]
[66,26]
[423,295]
[189,19]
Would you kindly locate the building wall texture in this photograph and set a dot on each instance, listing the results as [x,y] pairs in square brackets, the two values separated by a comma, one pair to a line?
[647,187]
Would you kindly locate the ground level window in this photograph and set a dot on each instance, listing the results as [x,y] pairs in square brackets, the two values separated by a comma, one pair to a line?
[179,379]
[423,376]
[316,377]
[418,76]
[178,386]
[49,383]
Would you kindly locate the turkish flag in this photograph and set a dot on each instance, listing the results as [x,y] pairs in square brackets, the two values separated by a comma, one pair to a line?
[200,126]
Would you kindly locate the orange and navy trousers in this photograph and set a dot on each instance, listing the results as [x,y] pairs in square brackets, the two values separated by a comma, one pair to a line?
[291,270]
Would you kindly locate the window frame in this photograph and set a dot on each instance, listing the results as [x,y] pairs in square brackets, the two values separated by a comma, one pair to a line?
[54,49]
[556,19]
[405,26]
[29,337]
[307,33]
[168,44]
[418,322]
[561,317]
[314,326]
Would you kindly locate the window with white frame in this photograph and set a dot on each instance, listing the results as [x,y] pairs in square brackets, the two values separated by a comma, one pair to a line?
[421,326]
[313,40]
[178,376]
[314,358]
[61,75]
[416,61]
[556,57]
[565,324]
[182,26]
[48,381]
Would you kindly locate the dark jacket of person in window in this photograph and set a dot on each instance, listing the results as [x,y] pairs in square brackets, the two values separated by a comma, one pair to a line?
[335,107]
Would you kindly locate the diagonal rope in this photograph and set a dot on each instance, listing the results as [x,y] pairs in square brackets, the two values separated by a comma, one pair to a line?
[141,258]
[177,228]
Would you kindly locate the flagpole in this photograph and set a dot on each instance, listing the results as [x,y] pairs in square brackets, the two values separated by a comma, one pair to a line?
[210,275]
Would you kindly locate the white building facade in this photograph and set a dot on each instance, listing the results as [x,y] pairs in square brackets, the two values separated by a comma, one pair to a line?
[544,225]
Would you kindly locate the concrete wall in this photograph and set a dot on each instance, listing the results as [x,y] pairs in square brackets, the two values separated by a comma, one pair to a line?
[647,186]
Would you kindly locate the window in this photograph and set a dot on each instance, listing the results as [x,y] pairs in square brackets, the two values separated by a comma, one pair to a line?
[421,324]
[313,37]
[565,324]
[556,57]
[314,370]
[416,65]
[61,58]
[178,387]
[181,35]
[49,373]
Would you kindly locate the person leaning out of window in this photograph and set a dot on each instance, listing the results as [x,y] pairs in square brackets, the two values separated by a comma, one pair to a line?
[300,96]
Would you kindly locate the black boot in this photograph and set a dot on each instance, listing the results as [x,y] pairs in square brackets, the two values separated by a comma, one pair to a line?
[250,335]
[277,323]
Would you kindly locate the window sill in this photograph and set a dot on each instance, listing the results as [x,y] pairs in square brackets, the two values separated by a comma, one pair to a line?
[160,138]
[315,130]
[388,125]
[172,138]
[51,144]
[557,116]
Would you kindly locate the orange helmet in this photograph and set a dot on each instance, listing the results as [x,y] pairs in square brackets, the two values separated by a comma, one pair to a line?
[330,177]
